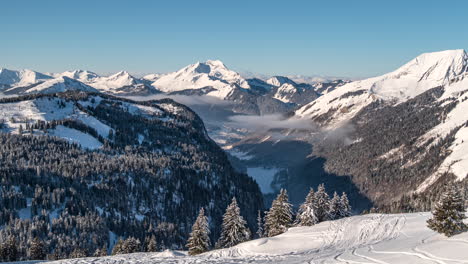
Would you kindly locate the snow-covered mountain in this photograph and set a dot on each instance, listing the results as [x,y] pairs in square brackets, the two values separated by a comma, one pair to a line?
[122,83]
[410,124]
[79,75]
[212,73]
[427,71]
[21,78]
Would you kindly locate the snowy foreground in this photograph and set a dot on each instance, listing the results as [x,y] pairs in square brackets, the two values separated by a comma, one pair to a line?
[373,238]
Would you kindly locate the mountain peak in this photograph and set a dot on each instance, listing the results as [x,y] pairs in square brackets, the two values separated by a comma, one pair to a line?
[215,63]
[438,67]
[280,80]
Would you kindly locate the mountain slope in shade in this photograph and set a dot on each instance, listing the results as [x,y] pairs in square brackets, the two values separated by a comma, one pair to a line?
[427,71]
[212,73]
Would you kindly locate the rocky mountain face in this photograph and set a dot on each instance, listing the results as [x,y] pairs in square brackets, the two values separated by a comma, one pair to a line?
[78,166]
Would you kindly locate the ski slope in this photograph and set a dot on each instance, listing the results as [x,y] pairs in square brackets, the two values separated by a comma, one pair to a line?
[373,238]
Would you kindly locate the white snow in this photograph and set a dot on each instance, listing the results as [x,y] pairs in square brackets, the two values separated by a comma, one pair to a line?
[115,81]
[21,78]
[426,71]
[75,136]
[212,73]
[284,92]
[373,238]
[43,109]
[264,177]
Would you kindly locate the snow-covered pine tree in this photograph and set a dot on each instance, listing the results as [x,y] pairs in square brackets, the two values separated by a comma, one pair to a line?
[449,213]
[306,214]
[37,250]
[152,245]
[322,204]
[118,248]
[100,252]
[259,225]
[334,211]
[131,245]
[345,208]
[10,249]
[234,229]
[199,240]
[279,217]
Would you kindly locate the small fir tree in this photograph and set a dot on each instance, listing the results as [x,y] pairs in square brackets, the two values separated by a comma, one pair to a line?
[234,229]
[448,214]
[37,250]
[100,252]
[334,211]
[279,217]
[78,253]
[322,204]
[118,248]
[259,225]
[152,245]
[199,240]
[306,213]
[131,245]
[345,208]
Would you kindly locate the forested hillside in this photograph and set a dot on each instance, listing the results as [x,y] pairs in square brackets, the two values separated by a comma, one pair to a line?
[81,169]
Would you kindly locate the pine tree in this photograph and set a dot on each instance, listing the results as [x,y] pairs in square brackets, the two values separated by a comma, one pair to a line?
[306,214]
[78,253]
[234,229]
[344,208]
[199,240]
[100,252]
[322,204]
[259,225]
[118,248]
[131,245]
[37,250]
[279,217]
[334,211]
[152,245]
[10,249]
[448,214]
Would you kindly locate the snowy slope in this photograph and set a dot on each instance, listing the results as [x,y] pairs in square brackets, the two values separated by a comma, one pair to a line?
[426,71]
[448,69]
[60,84]
[212,73]
[17,114]
[373,238]
[12,78]
[79,75]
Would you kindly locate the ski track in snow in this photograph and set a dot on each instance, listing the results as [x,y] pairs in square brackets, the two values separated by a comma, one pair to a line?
[373,238]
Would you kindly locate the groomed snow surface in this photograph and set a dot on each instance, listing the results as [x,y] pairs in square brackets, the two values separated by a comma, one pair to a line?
[373,238]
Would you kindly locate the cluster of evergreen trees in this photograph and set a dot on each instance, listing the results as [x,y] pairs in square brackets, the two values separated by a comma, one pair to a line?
[316,208]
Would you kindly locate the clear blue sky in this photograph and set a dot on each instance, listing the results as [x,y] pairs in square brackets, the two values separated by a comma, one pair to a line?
[340,38]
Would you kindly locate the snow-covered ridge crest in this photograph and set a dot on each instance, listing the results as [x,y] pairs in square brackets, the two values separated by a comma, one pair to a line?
[21,78]
[426,71]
